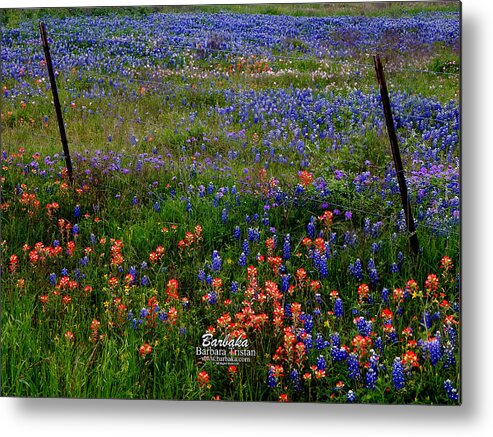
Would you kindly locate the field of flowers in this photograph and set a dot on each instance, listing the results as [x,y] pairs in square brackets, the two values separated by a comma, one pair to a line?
[234,199]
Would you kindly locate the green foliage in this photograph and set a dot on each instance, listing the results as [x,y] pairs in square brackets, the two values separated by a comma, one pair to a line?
[445,64]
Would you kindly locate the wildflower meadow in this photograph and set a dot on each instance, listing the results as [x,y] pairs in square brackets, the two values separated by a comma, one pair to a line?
[234,229]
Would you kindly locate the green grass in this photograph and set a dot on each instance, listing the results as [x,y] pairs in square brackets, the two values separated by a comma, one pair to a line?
[38,360]
[12,17]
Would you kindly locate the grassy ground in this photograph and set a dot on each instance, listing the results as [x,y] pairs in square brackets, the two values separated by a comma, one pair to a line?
[103,316]
[12,17]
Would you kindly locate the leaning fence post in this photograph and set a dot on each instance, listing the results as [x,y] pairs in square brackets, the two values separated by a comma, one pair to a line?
[413,238]
[56,101]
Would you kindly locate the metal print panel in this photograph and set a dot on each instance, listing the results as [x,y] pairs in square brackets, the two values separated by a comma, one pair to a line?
[242,203]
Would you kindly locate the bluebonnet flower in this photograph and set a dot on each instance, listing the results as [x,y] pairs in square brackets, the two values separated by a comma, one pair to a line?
[338,354]
[353,366]
[145,281]
[286,247]
[391,337]
[435,351]
[136,323]
[234,287]
[452,335]
[375,232]
[452,393]
[307,320]
[320,342]
[350,239]
[265,220]
[84,261]
[378,344]
[307,340]
[371,378]
[201,275]
[253,235]
[245,247]
[237,233]
[356,270]
[157,207]
[77,211]
[338,308]
[64,272]
[163,316]
[364,327]
[310,228]
[321,363]
[285,282]
[320,263]
[143,313]
[426,320]
[366,227]
[216,261]
[350,396]
[242,261]
[449,357]
[211,298]
[398,378]
[271,378]
[52,278]
[143,266]
[372,272]
[328,252]
[335,339]
[224,216]
[92,239]
[375,247]
[385,295]
[400,258]
[295,379]
[188,206]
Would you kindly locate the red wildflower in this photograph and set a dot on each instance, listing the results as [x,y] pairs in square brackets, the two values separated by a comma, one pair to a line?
[14,263]
[305,178]
[446,263]
[283,397]
[363,292]
[431,283]
[410,359]
[203,379]
[145,349]
[172,289]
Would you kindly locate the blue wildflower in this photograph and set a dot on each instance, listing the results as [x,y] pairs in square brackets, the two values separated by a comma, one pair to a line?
[398,378]
[353,366]
[338,308]
[452,393]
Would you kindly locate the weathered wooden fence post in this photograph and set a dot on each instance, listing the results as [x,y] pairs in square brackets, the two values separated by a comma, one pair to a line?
[413,238]
[56,101]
